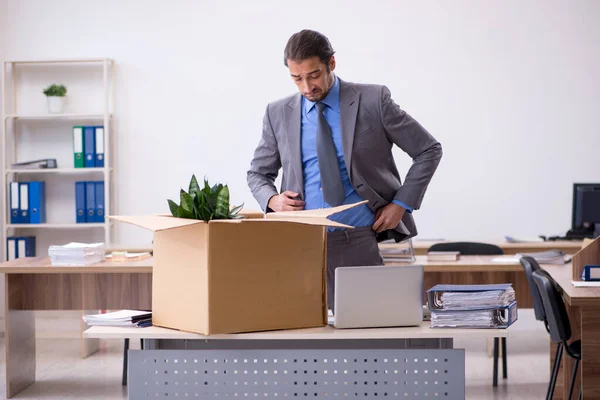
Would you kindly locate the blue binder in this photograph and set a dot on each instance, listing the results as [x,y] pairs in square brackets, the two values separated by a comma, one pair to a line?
[100,201]
[99,150]
[37,202]
[25,246]
[90,202]
[89,146]
[80,203]
[501,314]
[14,202]
[11,248]
[23,203]
[433,295]
[591,273]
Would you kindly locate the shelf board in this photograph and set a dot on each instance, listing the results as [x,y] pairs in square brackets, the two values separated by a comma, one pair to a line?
[58,171]
[57,116]
[63,61]
[58,226]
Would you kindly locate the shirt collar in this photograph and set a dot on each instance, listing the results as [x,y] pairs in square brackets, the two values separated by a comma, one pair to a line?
[332,100]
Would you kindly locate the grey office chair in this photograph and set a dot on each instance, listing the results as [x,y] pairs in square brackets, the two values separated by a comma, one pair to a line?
[530,265]
[558,322]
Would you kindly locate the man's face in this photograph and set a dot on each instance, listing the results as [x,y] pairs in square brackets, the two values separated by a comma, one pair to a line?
[312,78]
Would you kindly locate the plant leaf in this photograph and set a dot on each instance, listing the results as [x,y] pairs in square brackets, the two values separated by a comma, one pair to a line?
[194,187]
[173,207]
[236,210]
[183,213]
[186,209]
[222,211]
[205,210]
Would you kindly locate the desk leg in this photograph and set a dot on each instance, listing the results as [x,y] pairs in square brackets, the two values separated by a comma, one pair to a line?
[88,346]
[19,331]
[590,352]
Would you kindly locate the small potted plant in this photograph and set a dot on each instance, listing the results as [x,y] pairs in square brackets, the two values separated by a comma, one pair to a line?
[56,97]
[205,203]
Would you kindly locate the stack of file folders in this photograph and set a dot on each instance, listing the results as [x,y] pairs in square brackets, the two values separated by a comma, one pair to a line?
[398,252]
[472,306]
[547,257]
[76,254]
[134,318]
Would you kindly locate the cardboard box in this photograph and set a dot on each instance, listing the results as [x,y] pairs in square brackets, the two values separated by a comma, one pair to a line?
[263,272]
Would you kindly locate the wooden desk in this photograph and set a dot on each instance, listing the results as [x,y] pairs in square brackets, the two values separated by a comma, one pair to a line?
[473,270]
[568,246]
[33,284]
[583,306]
[401,361]
[324,333]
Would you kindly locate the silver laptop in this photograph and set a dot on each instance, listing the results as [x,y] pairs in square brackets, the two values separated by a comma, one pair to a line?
[378,296]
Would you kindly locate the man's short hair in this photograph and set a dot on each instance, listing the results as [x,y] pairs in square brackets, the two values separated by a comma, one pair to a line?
[307,44]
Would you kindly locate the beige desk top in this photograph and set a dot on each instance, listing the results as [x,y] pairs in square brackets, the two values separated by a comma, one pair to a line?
[560,244]
[581,296]
[420,332]
[41,265]
[467,264]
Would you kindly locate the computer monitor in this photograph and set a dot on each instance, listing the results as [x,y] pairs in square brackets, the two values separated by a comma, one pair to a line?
[586,210]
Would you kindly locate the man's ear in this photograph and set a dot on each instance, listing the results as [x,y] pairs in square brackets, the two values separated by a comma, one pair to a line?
[332,63]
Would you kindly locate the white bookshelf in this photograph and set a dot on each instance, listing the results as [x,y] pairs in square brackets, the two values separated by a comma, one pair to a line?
[59,171]
[57,226]
[25,121]
[57,116]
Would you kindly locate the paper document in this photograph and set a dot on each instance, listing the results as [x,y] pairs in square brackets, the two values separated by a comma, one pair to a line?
[586,284]
[75,253]
[120,318]
[505,259]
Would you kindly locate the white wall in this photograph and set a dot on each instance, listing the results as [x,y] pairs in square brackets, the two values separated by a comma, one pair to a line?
[3,41]
[509,88]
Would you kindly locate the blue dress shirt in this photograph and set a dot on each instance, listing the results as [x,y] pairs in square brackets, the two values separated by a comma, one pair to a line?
[357,216]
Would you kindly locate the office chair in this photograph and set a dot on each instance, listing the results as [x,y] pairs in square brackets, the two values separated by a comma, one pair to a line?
[530,265]
[479,249]
[558,323]
[469,248]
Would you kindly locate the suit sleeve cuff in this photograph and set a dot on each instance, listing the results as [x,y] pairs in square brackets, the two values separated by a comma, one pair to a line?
[404,205]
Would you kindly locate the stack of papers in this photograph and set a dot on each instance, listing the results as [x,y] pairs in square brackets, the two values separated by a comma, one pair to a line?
[512,239]
[547,257]
[483,299]
[126,256]
[474,319]
[443,255]
[472,306]
[132,318]
[398,252]
[76,254]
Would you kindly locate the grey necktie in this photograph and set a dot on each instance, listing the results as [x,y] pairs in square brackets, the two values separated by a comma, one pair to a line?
[331,177]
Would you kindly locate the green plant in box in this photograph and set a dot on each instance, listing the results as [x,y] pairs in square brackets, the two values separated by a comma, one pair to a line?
[56,90]
[204,203]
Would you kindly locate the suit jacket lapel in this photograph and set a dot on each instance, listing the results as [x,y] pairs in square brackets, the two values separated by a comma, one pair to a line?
[292,120]
[349,100]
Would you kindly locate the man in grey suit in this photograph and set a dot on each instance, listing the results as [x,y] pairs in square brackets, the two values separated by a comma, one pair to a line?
[334,141]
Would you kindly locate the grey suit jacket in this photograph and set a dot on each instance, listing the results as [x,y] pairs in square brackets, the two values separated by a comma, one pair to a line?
[371,124]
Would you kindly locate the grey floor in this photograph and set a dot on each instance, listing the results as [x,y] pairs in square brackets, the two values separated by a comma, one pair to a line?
[62,374]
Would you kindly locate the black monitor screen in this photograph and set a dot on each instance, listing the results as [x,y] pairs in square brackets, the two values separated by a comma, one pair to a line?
[586,206]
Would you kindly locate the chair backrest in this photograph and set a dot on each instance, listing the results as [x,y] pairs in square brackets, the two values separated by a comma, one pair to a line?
[530,265]
[469,248]
[556,312]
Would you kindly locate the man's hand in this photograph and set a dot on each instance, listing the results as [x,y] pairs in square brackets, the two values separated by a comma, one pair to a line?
[285,202]
[388,217]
